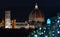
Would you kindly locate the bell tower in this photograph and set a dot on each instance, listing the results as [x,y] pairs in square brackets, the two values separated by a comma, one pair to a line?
[7,19]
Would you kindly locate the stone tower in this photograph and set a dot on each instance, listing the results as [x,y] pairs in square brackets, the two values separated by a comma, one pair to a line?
[7,19]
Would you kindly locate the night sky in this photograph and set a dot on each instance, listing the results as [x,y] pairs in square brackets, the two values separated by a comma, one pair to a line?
[20,9]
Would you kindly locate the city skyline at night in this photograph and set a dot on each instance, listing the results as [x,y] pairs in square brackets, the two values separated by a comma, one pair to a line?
[35,17]
[30,18]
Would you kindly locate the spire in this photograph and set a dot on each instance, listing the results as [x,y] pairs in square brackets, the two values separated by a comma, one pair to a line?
[36,6]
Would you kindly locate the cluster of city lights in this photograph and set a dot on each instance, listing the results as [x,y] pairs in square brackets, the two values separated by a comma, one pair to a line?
[52,29]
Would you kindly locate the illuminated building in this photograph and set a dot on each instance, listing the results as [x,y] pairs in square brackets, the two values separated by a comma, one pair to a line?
[3,23]
[7,19]
[36,17]
[14,24]
[22,25]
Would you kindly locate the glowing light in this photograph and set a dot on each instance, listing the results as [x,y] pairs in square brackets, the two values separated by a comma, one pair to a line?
[42,33]
[7,27]
[58,17]
[58,21]
[58,32]
[52,34]
[40,28]
[36,6]
[48,21]
[59,25]
[35,35]
[46,36]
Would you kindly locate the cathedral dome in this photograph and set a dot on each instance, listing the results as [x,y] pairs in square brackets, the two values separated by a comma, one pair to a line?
[36,15]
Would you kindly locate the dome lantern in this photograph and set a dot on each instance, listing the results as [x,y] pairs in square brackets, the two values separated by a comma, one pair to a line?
[36,6]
